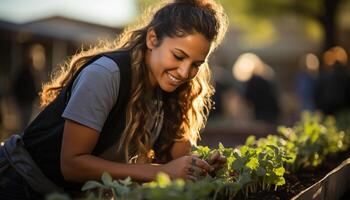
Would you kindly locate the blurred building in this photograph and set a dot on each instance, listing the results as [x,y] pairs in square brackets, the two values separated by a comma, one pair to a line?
[49,41]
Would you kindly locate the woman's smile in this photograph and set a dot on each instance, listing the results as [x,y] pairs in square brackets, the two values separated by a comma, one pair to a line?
[174,80]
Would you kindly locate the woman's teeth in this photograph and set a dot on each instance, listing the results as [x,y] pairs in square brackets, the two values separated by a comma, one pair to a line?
[174,78]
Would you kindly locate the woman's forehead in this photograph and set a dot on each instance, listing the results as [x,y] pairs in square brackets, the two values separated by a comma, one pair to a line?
[194,45]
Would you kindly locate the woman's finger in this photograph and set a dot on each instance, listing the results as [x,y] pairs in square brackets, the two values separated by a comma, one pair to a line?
[195,161]
[195,154]
[219,162]
[214,157]
[199,172]
[216,165]
[217,157]
[196,171]
[191,177]
[223,159]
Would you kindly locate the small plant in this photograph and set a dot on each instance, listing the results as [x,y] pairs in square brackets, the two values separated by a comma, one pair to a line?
[119,188]
[314,138]
[248,169]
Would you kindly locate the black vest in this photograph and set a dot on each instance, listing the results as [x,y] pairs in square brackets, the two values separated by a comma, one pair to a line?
[43,137]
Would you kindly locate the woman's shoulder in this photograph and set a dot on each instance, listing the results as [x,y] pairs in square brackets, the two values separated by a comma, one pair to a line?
[100,76]
[102,70]
[107,64]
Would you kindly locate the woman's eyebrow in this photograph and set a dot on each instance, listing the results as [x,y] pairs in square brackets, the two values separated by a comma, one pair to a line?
[186,55]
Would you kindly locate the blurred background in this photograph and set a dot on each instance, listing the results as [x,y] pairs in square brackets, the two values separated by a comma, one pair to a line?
[278,58]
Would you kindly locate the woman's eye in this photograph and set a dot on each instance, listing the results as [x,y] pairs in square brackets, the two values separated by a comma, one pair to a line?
[178,57]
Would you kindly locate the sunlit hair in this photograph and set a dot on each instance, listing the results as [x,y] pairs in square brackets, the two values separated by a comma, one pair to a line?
[187,108]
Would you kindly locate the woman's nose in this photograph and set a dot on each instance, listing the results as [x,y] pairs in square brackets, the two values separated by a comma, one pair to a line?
[184,70]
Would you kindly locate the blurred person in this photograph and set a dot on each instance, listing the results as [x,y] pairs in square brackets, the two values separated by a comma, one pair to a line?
[332,90]
[130,108]
[25,91]
[306,80]
[260,90]
[262,94]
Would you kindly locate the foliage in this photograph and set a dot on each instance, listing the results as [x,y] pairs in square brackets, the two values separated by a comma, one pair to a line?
[314,138]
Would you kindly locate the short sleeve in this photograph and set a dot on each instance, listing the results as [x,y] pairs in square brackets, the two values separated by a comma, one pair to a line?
[94,93]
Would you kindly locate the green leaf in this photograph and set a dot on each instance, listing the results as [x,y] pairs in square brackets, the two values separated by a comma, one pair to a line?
[180,183]
[250,140]
[92,185]
[126,181]
[106,179]
[244,178]
[274,148]
[253,163]
[203,152]
[163,180]
[244,150]
[120,189]
[238,164]
[279,171]
[221,146]
[280,181]
[260,171]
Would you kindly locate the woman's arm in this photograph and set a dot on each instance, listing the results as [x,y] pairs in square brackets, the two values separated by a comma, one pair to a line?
[79,165]
[181,148]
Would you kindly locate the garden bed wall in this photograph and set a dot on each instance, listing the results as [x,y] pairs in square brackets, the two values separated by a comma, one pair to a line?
[333,186]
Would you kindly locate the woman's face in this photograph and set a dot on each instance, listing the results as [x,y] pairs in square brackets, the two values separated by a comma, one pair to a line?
[176,59]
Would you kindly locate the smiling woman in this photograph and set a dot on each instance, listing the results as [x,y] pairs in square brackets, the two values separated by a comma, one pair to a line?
[176,60]
[130,108]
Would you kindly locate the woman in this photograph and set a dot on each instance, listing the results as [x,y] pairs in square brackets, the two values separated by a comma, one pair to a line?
[130,108]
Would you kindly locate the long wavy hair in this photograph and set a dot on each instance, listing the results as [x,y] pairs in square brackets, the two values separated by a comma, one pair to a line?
[187,108]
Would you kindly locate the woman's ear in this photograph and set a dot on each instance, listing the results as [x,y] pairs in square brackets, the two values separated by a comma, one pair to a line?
[151,39]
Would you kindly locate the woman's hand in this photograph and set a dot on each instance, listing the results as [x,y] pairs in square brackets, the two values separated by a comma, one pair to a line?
[217,161]
[187,167]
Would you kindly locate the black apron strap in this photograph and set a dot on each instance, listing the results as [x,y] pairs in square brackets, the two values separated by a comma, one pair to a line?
[113,129]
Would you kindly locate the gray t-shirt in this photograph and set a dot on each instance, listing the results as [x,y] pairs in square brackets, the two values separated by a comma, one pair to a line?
[95,92]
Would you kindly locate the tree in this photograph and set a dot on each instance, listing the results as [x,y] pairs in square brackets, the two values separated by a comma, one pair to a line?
[255,15]
[324,12]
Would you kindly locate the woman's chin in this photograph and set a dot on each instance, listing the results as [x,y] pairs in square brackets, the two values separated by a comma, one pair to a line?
[168,87]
